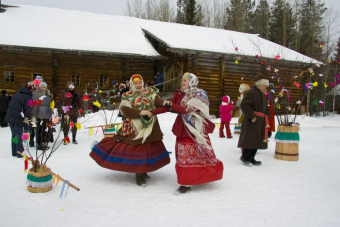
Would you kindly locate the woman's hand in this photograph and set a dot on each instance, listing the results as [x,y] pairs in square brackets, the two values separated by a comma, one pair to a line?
[167,104]
[146,112]
[253,119]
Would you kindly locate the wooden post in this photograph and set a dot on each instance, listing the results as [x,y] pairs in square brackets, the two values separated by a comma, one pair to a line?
[222,70]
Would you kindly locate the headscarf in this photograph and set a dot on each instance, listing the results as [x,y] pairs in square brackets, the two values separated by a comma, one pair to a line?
[196,98]
[143,100]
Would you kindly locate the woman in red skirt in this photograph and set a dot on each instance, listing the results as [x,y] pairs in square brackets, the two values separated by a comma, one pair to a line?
[196,162]
[137,147]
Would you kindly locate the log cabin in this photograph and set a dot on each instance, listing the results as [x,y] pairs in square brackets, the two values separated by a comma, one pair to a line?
[101,50]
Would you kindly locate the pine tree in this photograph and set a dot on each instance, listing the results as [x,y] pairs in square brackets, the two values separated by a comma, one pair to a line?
[282,24]
[260,19]
[190,12]
[200,16]
[311,15]
[180,18]
[239,15]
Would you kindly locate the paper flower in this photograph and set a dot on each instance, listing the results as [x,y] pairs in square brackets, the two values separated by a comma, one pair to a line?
[337,81]
[339,61]
[97,104]
[114,90]
[68,95]
[66,140]
[295,84]
[55,119]
[315,84]
[36,82]
[320,75]
[30,102]
[276,99]
[257,56]
[320,103]
[277,57]
[100,91]
[15,140]
[276,70]
[278,106]
[90,107]
[332,84]
[25,136]
[86,98]
[236,62]
[78,126]
[80,110]
[317,65]
[336,76]
[316,102]
[236,48]
[298,102]
[262,62]
[66,108]
[268,68]
[71,124]
[281,94]
[325,85]
[313,73]
[289,108]
[118,93]
[37,103]
[320,45]
[288,98]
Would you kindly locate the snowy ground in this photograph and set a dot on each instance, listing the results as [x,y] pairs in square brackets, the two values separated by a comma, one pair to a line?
[278,193]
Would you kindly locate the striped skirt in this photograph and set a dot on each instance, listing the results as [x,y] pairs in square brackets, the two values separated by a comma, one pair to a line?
[143,158]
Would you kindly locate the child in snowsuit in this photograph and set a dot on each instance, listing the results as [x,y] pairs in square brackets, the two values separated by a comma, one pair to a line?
[225,114]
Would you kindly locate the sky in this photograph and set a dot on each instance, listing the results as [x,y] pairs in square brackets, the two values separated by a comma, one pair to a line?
[111,7]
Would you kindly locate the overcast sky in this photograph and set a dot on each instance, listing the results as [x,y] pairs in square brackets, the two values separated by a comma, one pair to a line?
[115,7]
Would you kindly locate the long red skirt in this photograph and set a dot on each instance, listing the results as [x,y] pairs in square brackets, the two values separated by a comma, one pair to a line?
[143,158]
[196,165]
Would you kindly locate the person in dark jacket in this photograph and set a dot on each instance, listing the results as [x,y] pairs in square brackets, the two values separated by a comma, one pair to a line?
[4,101]
[42,114]
[95,99]
[254,132]
[19,113]
[124,87]
[159,78]
[69,105]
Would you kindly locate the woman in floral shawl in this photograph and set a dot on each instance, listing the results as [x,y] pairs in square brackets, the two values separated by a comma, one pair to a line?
[196,162]
[137,147]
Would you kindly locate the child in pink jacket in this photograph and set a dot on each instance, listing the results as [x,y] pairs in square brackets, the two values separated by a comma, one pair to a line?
[225,114]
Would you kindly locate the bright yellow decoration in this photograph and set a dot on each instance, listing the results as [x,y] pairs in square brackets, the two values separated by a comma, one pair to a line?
[278,106]
[218,125]
[52,104]
[236,62]
[91,132]
[55,179]
[280,94]
[78,125]
[315,84]
[100,91]
[119,125]
[97,104]
[114,103]
[313,74]
[325,85]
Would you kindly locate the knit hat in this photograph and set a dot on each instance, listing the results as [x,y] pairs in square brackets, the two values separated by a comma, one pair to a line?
[226,100]
[43,84]
[31,86]
[261,80]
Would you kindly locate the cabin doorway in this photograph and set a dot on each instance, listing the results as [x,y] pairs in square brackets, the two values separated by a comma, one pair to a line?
[172,73]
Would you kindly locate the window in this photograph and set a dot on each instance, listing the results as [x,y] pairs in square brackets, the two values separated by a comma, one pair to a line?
[102,81]
[35,75]
[75,80]
[9,76]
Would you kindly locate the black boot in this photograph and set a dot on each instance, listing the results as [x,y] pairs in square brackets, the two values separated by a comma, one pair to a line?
[43,147]
[145,176]
[74,138]
[252,158]
[140,180]
[245,158]
[182,190]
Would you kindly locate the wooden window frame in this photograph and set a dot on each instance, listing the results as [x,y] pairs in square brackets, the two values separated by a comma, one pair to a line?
[74,80]
[104,85]
[5,79]
[41,74]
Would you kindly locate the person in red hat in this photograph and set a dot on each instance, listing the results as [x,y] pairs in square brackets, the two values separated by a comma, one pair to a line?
[19,113]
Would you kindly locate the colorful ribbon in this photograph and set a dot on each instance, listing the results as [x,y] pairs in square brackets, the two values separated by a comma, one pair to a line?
[62,190]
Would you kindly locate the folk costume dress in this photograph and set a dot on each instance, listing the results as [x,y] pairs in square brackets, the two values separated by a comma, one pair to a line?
[138,146]
[196,162]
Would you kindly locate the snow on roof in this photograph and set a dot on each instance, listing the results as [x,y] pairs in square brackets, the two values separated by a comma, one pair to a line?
[42,27]
[34,26]
[335,90]
[220,41]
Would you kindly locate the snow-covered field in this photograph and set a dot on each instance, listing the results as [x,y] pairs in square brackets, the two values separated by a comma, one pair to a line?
[278,193]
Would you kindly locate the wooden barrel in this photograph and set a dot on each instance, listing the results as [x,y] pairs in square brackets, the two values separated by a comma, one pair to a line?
[39,181]
[109,131]
[287,143]
[237,129]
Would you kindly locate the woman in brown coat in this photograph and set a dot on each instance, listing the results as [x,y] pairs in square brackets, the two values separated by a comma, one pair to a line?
[253,134]
[69,105]
[137,147]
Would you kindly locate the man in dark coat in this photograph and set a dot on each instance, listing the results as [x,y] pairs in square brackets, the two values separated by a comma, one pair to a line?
[4,101]
[159,78]
[18,114]
[255,109]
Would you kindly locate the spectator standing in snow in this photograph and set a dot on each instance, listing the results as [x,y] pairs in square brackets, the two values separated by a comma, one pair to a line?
[225,114]
[254,132]
[196,162]
[4,101]
[159,78]
[18,114]
[96,98]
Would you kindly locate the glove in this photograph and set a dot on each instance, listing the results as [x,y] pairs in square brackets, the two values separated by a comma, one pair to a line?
[168,106]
